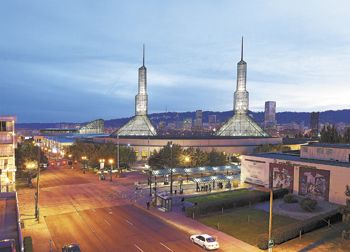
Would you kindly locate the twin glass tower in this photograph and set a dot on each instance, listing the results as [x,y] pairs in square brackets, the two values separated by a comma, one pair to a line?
[139,125]
[240,125]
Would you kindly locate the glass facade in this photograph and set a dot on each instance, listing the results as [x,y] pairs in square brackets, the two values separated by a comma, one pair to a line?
[7,153]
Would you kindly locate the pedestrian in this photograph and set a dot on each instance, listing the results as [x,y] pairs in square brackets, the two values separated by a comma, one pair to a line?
[148,204]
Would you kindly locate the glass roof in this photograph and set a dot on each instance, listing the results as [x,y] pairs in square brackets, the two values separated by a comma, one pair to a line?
[197,170]
[139,125]
[241,125]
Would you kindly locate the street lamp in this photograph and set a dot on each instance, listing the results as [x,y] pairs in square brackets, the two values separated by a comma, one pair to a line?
[111,162]
[171,168]
[102,165]
[37,216]
[270,221]
[84,158]
[270,242]
[118,154]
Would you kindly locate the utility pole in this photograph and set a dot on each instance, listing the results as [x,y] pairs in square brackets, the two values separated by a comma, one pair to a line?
[37,216]
[270,243]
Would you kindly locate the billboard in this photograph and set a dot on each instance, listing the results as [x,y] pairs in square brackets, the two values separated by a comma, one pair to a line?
[281,175]
[314,183]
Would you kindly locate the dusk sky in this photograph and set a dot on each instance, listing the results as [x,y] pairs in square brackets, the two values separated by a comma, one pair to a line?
[78,60]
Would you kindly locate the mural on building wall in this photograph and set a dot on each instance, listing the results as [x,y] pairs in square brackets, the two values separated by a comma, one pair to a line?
[347,190]
[314,183]
[281,175]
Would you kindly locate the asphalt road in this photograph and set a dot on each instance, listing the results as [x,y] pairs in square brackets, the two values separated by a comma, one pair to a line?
[78,208]
[118,228]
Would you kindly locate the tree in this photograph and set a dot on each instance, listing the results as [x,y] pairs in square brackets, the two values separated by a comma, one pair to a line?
[346,137]
[189,157]
[329,134]
[217,158]
[27,153]
[96,151]
[127,156]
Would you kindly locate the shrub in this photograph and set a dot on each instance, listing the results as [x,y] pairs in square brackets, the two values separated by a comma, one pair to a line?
[240,200]
[235,184]
[308,204]
[28,244]
[290,198]
[293,230]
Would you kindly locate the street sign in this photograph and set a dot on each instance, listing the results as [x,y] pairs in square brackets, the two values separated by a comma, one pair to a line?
[271,243]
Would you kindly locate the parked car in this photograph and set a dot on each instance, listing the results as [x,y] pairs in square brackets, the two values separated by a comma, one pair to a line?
[73,247]
[205,241]
[8,245]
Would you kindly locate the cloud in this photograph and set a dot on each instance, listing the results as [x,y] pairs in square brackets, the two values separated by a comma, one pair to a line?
[76,60]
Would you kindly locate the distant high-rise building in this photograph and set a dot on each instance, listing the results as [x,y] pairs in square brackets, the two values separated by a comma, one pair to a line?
[270,115]
[314,123]
[198,121]
[7,153]
[187,124]
[212,121]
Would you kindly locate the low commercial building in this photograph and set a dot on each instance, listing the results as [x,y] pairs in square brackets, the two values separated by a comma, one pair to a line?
[7,153]
[321,171]
[232,146]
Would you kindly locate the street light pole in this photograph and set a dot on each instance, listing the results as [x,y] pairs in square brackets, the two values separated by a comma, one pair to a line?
[110,161]
[84,158]
[118,154]
[270,220]
[171,169]
[37,216]
[150,182]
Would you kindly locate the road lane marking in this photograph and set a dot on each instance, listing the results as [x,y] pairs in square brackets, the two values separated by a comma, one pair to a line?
[107,222]
[138,248]
[165,246]
[129,222]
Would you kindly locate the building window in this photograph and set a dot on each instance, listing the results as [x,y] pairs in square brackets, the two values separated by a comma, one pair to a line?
[2,126]
[319,150]
[329,151]
[306,149]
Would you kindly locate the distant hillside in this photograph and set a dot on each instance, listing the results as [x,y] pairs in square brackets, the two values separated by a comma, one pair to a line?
[329,116]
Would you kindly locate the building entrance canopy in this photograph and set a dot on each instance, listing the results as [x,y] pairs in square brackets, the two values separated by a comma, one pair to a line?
[197,170]
[218,178]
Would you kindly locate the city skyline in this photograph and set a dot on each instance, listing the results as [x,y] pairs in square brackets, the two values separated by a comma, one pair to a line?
[80,62]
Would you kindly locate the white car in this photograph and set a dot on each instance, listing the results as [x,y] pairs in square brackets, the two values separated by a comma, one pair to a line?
[205,241]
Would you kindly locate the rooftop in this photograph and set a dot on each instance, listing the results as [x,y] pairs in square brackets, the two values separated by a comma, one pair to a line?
[297,158]
[329,145]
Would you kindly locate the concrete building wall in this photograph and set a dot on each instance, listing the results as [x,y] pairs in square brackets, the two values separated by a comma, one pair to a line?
[255,169]
[326,153]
